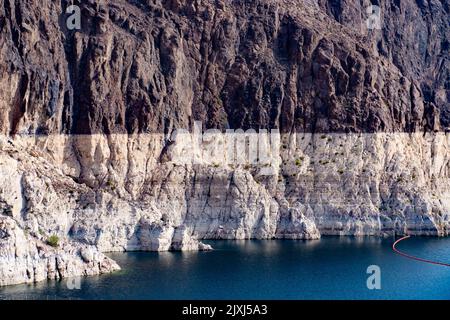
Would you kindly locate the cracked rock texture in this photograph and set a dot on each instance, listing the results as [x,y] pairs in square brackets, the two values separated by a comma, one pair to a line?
[87,116]
[25,259]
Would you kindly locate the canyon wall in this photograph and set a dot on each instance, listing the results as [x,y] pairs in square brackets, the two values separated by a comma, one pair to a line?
[89,154]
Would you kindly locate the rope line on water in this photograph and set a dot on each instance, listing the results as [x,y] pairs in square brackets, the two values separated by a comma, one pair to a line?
[413,257]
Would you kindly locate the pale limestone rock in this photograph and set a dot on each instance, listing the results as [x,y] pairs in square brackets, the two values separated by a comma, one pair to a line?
[354,184]
[25,259]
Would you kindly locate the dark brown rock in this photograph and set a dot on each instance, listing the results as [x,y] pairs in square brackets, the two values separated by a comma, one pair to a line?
[152,66]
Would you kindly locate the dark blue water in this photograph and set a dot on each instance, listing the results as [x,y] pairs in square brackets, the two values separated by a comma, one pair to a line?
[332,268]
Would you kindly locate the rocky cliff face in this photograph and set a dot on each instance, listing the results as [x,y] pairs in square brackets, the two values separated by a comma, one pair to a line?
[238,64]
[87,118]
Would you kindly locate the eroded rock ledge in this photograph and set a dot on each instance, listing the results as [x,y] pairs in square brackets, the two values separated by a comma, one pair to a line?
[337,184]
[86,117]
[26,259]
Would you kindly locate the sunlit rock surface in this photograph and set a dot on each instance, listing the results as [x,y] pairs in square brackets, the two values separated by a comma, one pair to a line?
[87,151]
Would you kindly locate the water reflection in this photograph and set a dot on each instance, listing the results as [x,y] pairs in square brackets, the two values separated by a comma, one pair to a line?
[330,268]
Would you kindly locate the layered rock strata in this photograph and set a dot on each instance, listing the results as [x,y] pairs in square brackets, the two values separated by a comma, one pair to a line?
[89,154]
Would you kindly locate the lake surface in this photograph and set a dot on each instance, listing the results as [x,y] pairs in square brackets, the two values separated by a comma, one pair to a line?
[331,268]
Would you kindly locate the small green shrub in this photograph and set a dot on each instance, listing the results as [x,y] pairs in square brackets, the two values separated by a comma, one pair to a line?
[111,184]
[53,241]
